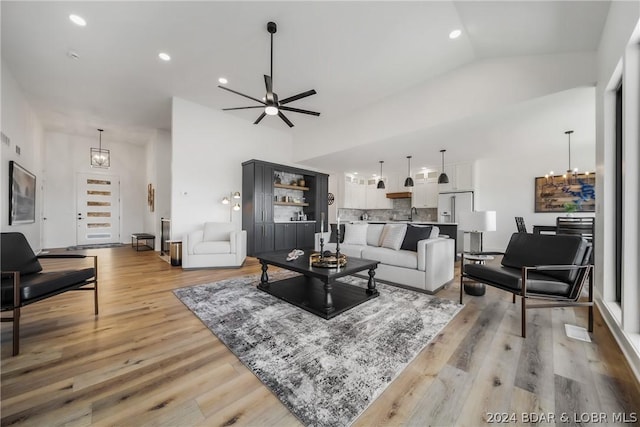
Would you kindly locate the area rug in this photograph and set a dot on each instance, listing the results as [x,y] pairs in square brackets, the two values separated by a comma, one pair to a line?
[326,372]
[95,246]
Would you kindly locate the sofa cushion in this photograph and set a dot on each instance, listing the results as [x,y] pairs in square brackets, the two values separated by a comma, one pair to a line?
[332,237]
[393,235]
[355,234]
[217,231]
[413,235]
[399,258]
[374,231]
[212,248]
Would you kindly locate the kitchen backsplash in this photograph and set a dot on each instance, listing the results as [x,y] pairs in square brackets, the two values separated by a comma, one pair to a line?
[400,212]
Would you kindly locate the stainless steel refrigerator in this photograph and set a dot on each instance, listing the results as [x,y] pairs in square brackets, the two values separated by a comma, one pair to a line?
[450,205]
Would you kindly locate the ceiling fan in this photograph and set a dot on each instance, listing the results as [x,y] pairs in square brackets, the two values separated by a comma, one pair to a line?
[271,104]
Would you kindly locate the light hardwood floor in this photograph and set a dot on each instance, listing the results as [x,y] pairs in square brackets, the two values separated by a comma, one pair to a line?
[147,360]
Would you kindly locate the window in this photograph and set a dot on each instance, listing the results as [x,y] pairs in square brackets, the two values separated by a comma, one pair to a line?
[619,183]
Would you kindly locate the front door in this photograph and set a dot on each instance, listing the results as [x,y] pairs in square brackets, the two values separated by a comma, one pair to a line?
[98,209]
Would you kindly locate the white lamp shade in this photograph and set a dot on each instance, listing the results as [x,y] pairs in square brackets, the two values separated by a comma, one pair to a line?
[478,221]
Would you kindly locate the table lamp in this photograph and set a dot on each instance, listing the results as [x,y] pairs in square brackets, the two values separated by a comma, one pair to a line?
[475,223]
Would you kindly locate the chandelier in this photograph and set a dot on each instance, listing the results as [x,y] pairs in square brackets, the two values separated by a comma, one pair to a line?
[100,158]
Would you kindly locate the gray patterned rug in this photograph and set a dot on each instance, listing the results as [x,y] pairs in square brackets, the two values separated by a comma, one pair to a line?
[327,372]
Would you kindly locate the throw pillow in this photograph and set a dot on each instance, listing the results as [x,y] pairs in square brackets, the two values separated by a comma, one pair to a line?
[332,237]
[413,235]
[355,234]
[374,231]
[393,235]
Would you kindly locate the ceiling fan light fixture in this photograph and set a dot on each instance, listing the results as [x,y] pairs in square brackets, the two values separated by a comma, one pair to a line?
[270,103]
[443,178]
[271,110]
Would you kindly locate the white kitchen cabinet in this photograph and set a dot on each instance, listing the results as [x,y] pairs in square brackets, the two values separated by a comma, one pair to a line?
[377,198]
[460,177]
[425,195]
[354,193]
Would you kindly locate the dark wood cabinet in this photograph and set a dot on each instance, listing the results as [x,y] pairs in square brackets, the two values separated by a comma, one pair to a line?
[285,236]
[260,210]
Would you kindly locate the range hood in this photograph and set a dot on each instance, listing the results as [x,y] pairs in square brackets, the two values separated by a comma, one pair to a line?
[400,195]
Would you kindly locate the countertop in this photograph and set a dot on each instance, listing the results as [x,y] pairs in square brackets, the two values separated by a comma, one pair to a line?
[401,222]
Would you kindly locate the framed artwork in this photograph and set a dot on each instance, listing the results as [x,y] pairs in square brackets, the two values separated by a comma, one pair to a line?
[560,193]
[22,195]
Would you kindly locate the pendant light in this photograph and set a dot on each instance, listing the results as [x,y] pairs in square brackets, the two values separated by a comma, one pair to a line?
[409,181]
[443,178]
[572,174]
[100,158]
[381,182]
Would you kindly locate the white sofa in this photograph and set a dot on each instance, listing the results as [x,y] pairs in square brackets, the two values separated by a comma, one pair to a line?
[217,244]
[428,268]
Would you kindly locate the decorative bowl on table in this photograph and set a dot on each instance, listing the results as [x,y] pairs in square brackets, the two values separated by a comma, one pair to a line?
[329,260]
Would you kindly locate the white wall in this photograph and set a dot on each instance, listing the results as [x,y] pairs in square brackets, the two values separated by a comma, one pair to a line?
[208,148]
[19,122]
[158,153]
[67,156]
[504,177]
[476,89]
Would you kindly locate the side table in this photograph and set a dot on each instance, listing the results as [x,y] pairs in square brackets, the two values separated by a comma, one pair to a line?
[474,288]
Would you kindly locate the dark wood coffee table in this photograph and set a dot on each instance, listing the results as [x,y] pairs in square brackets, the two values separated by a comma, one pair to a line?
[317,289]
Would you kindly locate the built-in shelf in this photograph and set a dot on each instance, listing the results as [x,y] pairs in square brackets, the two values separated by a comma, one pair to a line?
[291,187]
[290,204]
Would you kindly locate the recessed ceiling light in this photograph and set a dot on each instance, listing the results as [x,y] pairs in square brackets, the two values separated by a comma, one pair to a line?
[455,34]
[164,56]
[355,173]
[223,81]
[78,20]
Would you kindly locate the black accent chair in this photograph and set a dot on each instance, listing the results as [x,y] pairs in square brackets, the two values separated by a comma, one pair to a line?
[548,267]
[24,282]
[520,225]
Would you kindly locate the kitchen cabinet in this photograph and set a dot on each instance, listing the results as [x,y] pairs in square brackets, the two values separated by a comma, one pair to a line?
[354,194]
[460,177]
[376,198]
[425,195]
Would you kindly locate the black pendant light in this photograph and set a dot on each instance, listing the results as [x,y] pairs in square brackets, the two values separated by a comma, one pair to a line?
[443,178]
[409,181]
[381,182]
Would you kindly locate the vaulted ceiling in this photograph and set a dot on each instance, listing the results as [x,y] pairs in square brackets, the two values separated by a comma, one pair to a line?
[108,74]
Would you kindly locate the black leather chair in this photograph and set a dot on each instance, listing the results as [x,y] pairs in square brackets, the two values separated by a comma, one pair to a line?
[24,281]
[548,267]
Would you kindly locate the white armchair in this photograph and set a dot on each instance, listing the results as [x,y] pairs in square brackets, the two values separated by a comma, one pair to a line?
[218,244]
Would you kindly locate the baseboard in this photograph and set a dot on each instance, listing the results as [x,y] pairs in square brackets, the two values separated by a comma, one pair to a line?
[625,342]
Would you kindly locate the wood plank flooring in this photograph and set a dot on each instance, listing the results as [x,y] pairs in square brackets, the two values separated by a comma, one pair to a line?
[147,360]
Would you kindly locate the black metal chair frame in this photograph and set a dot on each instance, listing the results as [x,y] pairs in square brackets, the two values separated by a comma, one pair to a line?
[520,225]
[18,303]
[585,274]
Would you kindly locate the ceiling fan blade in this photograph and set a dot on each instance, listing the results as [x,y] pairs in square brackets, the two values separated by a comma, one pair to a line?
[259,118]
[284,119]
[298,96]
[242,108]
[242,94]
[268,83]
[297,110]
